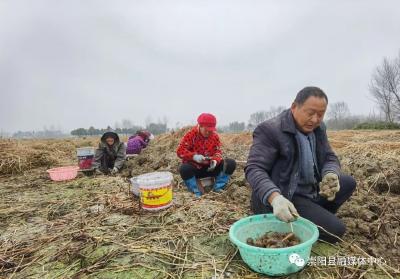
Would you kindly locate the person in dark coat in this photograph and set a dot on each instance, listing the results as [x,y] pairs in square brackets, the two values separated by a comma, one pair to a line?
[110,155]
[292,169]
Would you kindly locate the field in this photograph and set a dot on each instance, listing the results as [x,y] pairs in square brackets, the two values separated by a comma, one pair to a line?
[92,227]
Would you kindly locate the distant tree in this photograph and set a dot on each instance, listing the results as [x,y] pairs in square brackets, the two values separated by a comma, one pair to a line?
[79,132]
[339,117]
[39,134]
[338,111]
[156,128]
[353,121]
[257,118]
[148,120]
[236,127]
[132,130]
[164,120]
[92,131]
[86,132]
[261,116]
[126,124]
[385,88]
[23,134]
[274,111]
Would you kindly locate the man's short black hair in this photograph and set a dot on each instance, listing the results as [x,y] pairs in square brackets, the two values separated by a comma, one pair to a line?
[307,92]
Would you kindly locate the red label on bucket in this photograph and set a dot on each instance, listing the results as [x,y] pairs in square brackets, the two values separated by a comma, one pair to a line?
[85,162]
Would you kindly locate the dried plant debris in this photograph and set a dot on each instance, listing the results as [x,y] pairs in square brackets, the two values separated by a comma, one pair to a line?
[93,227]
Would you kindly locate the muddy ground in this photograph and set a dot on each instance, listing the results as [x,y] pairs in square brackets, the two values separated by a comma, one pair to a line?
[92,227]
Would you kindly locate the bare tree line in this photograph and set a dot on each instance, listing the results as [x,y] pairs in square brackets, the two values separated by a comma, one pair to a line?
[339,117]
[260,116]
[256,118]
[385,88]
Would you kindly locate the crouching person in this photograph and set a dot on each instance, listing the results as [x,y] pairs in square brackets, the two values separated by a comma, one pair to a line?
[110,155]
[200,151]
[293,170]
[138,142]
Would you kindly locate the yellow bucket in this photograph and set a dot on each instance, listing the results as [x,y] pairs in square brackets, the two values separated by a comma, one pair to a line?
[155,190]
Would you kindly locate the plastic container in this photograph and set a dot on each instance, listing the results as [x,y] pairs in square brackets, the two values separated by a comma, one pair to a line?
[85,157]
[274,261]
[135,186]
[206,184]
[155,190]
[63,173]
[207,181]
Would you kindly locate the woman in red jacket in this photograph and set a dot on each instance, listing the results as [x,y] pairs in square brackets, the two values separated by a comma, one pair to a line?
[200,151]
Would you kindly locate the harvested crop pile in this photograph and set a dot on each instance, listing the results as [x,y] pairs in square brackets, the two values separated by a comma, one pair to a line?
[274,240]
[17,156]
[92,227]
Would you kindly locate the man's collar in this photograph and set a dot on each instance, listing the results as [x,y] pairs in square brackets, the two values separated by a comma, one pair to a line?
[288,123]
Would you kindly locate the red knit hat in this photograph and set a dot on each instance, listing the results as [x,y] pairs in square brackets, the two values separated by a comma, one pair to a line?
[207,120]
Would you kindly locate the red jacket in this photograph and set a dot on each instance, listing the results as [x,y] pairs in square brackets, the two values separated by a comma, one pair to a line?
[194,143]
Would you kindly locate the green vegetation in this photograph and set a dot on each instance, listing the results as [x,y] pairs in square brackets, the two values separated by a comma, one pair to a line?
[379,125]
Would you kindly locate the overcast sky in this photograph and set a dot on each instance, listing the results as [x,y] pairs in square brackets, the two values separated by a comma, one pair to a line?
[80,63]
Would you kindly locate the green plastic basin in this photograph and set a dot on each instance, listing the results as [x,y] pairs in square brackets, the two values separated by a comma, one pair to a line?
[273,261]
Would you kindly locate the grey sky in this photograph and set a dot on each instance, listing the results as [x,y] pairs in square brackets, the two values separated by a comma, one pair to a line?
[79,63]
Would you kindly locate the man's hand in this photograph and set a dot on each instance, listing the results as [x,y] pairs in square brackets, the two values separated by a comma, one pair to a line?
[213,164]
[198,158]
[329,186]
[284,210]
[98,172]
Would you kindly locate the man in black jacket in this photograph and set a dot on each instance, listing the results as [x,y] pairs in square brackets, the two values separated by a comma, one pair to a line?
[292,169]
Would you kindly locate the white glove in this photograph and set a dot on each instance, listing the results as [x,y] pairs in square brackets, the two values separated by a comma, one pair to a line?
[198,158]
[212,166]
[284,210]
[329,186]
[115,170]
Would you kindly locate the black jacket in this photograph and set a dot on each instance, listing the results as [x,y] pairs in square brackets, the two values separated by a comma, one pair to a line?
[273,163]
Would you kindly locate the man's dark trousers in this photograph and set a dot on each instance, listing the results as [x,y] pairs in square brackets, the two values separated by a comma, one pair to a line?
[322,212]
